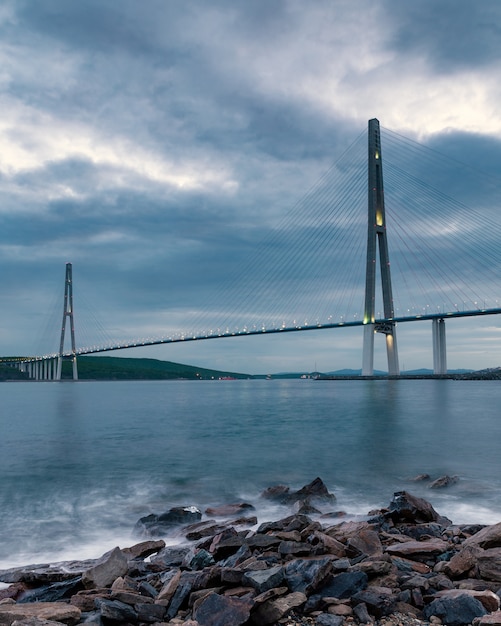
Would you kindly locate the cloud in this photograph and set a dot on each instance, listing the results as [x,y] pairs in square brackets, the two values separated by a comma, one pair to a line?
[166,149]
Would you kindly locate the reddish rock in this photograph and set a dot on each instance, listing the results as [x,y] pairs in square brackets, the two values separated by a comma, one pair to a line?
[462,562]
[272,611]
[228,510]
[493,619]
[489,564]
[55,611]
[144,549]
[488,537]
[418,549]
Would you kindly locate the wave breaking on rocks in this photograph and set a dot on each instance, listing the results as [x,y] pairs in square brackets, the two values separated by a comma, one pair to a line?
[402,564]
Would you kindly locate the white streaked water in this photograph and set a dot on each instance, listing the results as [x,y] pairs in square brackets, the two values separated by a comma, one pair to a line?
[80,463]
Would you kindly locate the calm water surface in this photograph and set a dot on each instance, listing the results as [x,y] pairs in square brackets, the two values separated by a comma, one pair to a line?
[81,462]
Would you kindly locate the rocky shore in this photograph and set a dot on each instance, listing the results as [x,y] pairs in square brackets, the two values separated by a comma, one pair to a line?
[400,565]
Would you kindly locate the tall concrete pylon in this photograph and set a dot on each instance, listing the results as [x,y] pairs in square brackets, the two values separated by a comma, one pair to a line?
[376,237]
[68,312]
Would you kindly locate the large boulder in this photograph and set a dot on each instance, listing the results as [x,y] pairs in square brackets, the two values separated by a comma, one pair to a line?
[405,507]
[458,611]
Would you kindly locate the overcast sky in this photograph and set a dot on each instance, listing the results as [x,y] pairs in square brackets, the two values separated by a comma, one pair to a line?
[155,143]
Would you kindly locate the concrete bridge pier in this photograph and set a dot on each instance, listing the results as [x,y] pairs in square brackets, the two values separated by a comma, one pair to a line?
[439,347]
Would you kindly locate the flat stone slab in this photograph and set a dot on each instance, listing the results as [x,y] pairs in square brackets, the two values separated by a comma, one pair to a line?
[52,611]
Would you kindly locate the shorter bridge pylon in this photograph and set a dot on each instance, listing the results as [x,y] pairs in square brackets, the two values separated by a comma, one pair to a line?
[68,313]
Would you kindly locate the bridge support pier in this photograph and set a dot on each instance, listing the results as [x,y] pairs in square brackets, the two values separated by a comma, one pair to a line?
[439,347]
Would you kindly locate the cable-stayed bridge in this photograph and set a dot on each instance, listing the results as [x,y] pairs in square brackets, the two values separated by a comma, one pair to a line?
[357,250]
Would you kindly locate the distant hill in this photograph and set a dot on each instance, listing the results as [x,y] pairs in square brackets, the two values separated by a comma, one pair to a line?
[117,368]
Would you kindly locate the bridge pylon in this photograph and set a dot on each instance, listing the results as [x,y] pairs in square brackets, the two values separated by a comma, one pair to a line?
[68,313]
[376,237]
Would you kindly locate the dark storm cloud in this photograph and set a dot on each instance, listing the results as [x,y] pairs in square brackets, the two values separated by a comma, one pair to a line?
[448,33]
[157,144]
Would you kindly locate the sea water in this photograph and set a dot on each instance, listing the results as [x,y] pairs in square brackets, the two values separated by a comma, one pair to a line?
[80,463]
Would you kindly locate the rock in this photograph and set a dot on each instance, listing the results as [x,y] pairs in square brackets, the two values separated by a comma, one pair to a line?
[489,564]
[157,525]
[344,585]
[199,530]
[169,557]
[307,575]
[52,592]
[316,490]
[328,544]
[455,611]
[216,610]
[52,611]
[262,580]
[366,543]
[116,611]
[494,619]
[35,621]
[489,600]
[272,611]
[294,547]
[144,549]
[487,537]
[277,493]
[443,481]
[418,549]
[149,613]
[345,531]
[43,573]
[462,562]
[229,510]
[111,565]
[375,567]
[420,478]
[329,620]
[198,559]
[379,602]
[186,584]
[362,614]
[408,508]
[288,524]
[423,531]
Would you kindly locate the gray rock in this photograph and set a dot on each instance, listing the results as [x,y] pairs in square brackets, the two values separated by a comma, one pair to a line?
[150,613]
[216,610]
[111,565]
[378,603]
[116,611]
[169,557]
[52,592]
[455,611]
[262,580]
[325,619]
[307,575]
[344,585]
